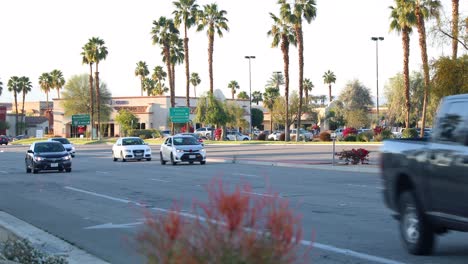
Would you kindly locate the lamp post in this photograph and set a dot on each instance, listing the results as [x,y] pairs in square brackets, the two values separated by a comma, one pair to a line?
[376,39]
[250,94]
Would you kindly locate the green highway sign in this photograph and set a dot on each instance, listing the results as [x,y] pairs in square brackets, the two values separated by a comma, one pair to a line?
[80,120]
[179,114]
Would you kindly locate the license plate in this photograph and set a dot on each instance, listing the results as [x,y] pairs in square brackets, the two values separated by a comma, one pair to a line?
[191,156]
[54,165]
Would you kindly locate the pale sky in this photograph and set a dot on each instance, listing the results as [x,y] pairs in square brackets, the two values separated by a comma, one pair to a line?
[39,36]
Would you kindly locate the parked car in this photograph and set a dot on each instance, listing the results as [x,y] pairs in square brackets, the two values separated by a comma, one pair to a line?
[339,132]
[236,136]
[205,132]
[362,130]
[275,135]
[19,137]
[303,134]
[3,140]
[131,148]
[47,155]
[165,133]
[66,144]
[196,136]
[426,181]
[182,148]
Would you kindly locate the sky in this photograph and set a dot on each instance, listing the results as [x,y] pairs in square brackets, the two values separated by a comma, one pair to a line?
[40,36]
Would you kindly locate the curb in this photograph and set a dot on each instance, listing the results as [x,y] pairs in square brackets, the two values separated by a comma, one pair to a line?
[347,168]
[45,241]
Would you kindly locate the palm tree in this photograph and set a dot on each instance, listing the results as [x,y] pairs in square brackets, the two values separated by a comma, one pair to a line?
[159,76]
[308,85]
[269,98]
[195,81]
[87,58]
[423,11]
[257,97]
[329,78]
[142,71]
[276,80]
[233,85]
[455,19]
[283,35]
[243,95]
[402,20]
[186,13]
[13,86]
[57,81]
[214,21]
[148,86]
[177,56]
[303,9]
[163,33]
[45,82]
[24,87]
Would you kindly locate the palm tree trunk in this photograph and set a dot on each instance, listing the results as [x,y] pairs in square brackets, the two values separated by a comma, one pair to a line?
[91,97]
[98,102]
[406,51]
[422,44]
[285,49]
[210,60]
[195,90]
[169,69]
[142,85]
[300,48]
[22,109]
[306,96]
[187,69]
[58,92]
[455,18]
[232,93]
[329,93]
[16,112]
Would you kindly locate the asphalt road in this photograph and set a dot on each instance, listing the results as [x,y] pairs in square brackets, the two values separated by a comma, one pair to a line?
[100,205]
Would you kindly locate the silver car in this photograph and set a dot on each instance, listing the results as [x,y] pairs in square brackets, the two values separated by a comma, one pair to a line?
[182,148]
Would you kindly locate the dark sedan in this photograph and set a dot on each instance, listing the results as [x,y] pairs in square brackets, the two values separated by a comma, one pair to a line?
[47,155]
[3,140]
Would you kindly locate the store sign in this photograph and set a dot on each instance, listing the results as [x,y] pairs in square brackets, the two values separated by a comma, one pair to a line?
[119,102]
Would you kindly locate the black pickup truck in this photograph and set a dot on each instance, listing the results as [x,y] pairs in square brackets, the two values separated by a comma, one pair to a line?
[426,181]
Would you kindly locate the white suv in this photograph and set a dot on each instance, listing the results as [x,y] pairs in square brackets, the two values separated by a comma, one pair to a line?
[303,134]
[205,132]
[235,135]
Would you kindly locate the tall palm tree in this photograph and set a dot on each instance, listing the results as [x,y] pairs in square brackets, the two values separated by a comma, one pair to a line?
[276,80]
[269,97]
[308,85]
[177,56]
[402,20]
[13,86]
[257,97]
[195,81]
[233,85]
[142,71]
[163,33]
[302,9]
[45,83]
[214,21]
[58,81]
[283,35]
[455,19]
[148,86]
[87,58]
[159,76]
[329,78]
[25,87]
[186,13]
[424,10]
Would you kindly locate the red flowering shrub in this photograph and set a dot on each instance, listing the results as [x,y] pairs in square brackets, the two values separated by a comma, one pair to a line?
[354,156]
[349,131]
[378,130]
[235,227]
[184,129]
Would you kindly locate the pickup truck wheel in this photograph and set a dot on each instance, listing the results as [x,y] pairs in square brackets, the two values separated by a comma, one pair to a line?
[415,229]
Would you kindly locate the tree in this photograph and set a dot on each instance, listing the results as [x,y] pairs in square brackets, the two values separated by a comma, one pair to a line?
[177,57]
[214,21]
[186,13]
[88,58]
[279,111]
[233,85]
[402,20]
[195,81]
[126,120]
[243,95]
[58,81]
[308,86]
[149,86]
[329,78]
[142,71]
[282,34]
[355,96]
[210,110]
[449,77]
[76,97]
[336,114]
[257,117]
[257,97]
[163,34]
[25,87]
[455,18]
[276,80]
[45,82]
[14,87]
[235,115]
[302,9]
[357,118]
[269,97]
[159,76]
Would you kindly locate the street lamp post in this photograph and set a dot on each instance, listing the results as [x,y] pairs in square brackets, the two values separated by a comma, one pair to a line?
[376,39]
[250,94]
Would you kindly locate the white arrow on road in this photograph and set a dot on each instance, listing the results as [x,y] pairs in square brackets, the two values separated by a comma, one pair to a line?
[114,226]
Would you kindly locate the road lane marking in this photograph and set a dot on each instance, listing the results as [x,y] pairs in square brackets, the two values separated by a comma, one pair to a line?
[365,186]
[261,194]
[103,172]
[4,172]
[325,247]
[114,226]
[245,175]
[159,180]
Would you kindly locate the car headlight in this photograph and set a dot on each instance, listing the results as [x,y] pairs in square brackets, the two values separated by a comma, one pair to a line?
[202,150]
[73,148]
[128,150]
[39,158]
[66,157]
[148,150]
[179,150]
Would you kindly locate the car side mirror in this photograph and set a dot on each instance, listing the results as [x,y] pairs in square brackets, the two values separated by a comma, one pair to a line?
[169,144]
[30,151]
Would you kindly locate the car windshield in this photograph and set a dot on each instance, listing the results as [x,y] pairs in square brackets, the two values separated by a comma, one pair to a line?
[179,141]
[61,140]
[48,147]
[132,141]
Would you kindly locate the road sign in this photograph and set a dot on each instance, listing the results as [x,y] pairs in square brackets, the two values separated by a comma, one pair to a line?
[81,120]
[333,135]
[179,114]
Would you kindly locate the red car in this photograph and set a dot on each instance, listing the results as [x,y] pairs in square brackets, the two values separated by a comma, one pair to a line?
[3,140]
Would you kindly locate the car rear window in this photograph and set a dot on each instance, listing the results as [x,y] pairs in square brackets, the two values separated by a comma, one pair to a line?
[48,147]
[61,140]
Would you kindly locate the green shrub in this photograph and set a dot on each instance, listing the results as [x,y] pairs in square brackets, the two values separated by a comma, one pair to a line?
[386,134]
[409,133]
[350,138]
[145,133]
[325,136]
[365,136]
[261,136]
[22,251]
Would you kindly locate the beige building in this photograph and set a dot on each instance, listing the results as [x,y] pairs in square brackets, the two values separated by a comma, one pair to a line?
[152,112]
